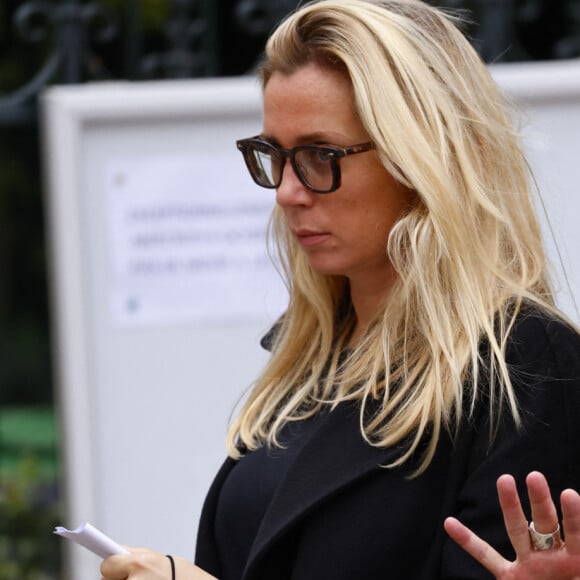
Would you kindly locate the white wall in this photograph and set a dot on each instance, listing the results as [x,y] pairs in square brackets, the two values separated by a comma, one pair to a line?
[550,95]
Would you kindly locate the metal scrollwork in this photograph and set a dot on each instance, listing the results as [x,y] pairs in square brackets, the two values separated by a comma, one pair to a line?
[32,21]
[189,54]
[258,17]
[569,45]
[497,27]
[530,10]
[73,25]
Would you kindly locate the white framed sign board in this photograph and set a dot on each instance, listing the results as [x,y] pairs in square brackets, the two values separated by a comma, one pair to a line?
[162,287]
[162,291]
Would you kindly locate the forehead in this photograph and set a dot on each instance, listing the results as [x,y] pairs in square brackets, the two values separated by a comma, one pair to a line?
[312,99]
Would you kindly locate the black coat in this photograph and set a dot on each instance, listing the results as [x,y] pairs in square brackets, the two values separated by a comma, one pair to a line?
[338,515]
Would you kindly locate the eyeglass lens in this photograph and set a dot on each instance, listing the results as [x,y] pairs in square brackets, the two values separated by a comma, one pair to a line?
[313,166]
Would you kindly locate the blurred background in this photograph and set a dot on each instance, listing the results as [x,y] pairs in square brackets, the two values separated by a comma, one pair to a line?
[69,42]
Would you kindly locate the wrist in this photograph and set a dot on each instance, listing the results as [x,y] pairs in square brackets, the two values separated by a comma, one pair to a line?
[172,564]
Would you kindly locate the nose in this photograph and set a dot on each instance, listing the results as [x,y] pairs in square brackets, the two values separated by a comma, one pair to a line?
[291,190]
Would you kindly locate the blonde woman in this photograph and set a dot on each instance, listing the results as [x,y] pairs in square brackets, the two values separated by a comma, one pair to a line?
[421,354]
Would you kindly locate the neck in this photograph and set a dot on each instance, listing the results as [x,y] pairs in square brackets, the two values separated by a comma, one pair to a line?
[366,297]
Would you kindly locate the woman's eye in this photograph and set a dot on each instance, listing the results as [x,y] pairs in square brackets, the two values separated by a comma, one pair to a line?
[323,156]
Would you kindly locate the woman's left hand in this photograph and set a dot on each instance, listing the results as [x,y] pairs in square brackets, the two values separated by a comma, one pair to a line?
[561,562]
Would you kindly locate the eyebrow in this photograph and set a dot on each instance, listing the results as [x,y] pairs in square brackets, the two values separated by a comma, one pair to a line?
[303,139]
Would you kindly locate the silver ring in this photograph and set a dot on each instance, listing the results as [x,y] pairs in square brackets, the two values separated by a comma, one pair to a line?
[545,541]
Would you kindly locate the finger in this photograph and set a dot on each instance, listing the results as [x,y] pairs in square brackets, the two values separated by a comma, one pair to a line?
[475,546]
[570,501]
[115,567]
[544,513]
[516,523]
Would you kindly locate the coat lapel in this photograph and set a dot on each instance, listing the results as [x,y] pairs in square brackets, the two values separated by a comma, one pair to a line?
[335,457]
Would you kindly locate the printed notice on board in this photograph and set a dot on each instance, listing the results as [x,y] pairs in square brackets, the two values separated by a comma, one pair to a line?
[188,243]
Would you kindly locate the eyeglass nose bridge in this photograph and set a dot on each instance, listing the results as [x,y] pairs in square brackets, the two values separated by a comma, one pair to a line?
[290,155]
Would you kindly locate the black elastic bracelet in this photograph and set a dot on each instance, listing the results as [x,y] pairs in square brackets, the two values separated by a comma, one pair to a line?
[172,566]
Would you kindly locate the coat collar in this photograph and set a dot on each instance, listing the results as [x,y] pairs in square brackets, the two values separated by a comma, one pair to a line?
[334,457]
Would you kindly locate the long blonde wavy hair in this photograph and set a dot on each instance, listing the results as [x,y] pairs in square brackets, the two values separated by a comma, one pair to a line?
[468,254]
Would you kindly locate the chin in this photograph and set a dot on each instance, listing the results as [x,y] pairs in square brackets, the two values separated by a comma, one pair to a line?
[327,269]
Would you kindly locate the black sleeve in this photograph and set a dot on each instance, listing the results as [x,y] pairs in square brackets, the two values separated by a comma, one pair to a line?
[544,361]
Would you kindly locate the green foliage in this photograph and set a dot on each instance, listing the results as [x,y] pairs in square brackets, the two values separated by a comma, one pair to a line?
[28,514]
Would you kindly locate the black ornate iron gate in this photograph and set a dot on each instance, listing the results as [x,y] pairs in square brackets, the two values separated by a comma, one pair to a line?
[138,39]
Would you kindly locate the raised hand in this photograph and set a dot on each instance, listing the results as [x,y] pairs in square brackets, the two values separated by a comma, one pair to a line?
[539,556]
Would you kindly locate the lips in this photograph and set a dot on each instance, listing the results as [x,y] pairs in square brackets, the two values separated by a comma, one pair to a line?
[308,238]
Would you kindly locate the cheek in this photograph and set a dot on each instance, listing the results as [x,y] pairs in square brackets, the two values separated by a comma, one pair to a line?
[369,230]
[376,220]
[382,192]
[381,211]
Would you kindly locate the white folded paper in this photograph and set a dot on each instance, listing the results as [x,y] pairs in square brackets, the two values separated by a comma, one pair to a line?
[92,539]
